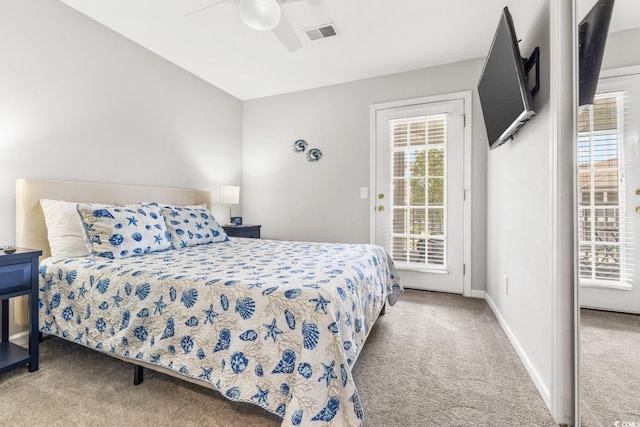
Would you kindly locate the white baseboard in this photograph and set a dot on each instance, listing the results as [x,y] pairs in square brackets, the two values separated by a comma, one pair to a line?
[543,388]
[21,339]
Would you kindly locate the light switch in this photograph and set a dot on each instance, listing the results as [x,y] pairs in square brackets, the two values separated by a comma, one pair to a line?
[364,192]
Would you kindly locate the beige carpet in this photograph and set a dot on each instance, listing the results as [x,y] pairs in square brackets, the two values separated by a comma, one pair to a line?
[610,368]
[433,360]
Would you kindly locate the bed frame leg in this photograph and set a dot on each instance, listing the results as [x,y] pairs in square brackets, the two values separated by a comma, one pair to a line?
[384,308]
[138,374]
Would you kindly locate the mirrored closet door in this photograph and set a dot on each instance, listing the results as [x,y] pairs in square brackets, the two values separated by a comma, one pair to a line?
[608,217]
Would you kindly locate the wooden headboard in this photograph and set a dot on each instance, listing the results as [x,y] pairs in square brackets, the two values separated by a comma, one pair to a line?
[31,231]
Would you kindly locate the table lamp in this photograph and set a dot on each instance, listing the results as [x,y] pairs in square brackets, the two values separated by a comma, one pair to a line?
[230,196]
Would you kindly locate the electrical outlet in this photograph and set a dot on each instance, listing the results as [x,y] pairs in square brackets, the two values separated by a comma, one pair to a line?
[506,284]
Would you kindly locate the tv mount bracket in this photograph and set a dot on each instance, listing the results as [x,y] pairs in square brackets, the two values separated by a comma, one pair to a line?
[528,63]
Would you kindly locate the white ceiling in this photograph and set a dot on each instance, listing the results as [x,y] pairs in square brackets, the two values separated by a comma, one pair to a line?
[376,37]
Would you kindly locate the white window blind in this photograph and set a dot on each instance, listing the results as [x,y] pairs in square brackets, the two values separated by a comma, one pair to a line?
[603,235]
[418,190]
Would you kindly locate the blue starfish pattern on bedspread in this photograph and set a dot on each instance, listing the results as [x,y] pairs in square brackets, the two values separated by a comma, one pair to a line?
[287,345]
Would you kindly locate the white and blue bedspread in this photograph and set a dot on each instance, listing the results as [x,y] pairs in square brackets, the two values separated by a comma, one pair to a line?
[276,324]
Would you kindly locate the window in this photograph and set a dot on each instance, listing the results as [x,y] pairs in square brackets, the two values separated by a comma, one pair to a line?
[601,231]
[418,189]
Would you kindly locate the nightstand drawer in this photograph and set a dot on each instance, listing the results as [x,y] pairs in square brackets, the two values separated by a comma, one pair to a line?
[15,277]
[247,231]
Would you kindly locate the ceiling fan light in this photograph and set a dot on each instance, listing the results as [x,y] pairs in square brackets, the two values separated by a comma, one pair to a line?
[263,15]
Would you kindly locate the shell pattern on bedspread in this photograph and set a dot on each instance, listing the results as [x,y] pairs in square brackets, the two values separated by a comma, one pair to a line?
[275,324]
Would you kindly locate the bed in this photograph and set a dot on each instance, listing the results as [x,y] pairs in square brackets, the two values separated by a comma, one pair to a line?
[272,323]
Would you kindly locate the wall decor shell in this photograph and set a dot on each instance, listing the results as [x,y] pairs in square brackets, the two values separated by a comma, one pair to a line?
[300,145]
[314,154]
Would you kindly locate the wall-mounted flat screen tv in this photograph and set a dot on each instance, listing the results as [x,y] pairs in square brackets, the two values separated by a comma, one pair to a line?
[592,37]
[504,94]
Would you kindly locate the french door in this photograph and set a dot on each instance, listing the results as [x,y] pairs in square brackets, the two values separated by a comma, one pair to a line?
[609,196]
[419,192]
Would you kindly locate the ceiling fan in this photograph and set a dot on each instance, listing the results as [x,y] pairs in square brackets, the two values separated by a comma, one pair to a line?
[262,15]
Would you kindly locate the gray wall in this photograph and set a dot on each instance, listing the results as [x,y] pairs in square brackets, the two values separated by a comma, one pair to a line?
[519,213]
[622,49]
[297,200]
[80,102]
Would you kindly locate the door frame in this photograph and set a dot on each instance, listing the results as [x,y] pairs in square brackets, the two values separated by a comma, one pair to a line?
[466,97]
[631,72]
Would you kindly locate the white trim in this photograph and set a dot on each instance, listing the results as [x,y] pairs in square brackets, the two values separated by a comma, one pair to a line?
[563,213]
[468,195]
[595,307]
[466,97]
[373,167]
[601,284]
[405,266]
[619,72]
[576,262]
[533,373]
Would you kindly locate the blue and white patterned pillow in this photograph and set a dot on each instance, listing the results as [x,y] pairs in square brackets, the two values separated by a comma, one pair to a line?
[191,227]
[124,231]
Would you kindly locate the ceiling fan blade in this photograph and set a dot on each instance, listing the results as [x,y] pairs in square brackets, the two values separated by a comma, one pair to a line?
[287,35]
[204,13]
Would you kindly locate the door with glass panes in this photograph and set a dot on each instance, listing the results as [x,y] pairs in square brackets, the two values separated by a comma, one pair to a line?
[609,196]
[419,192]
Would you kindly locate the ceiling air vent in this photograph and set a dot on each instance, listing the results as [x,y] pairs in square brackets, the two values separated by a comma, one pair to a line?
[322,32]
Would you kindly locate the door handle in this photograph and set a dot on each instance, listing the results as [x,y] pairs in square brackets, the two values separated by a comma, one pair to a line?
[381,208]
[638,209]
[638,192]
[380,196]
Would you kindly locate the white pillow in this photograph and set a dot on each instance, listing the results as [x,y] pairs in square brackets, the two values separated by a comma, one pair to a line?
[64,229]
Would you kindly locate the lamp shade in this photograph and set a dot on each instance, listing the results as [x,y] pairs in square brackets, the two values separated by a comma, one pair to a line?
[263,15]
[230,194]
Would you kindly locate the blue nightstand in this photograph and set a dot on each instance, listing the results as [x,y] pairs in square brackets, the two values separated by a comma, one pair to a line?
[19,276]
